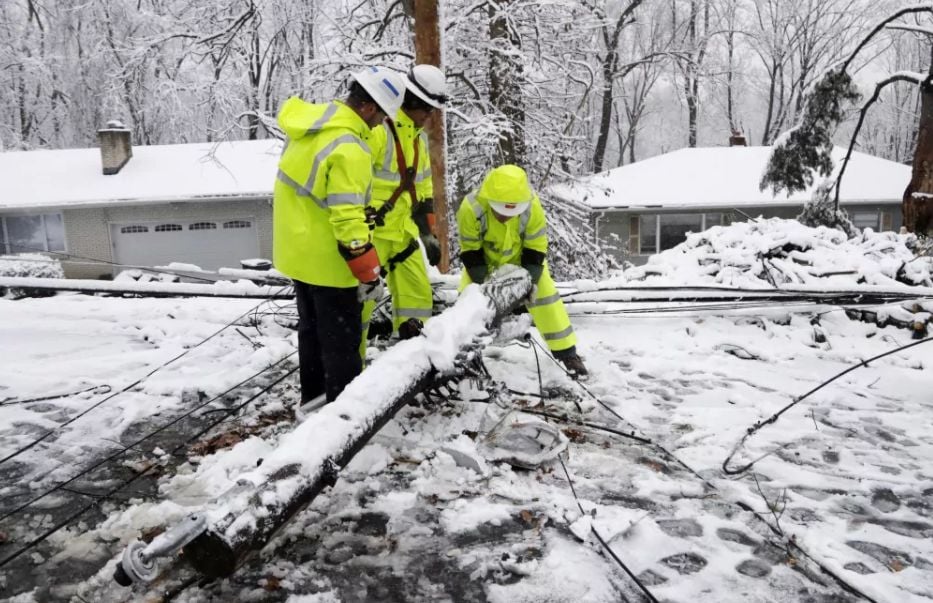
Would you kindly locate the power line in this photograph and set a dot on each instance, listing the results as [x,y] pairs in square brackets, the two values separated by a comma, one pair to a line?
[773,418]
[57,429]
[109,494]
[98,261]
[129,447]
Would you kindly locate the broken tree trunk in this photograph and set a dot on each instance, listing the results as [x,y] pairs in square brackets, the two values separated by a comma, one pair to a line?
[308,460]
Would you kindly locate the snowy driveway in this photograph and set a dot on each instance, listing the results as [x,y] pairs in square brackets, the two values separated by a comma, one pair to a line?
[850,482]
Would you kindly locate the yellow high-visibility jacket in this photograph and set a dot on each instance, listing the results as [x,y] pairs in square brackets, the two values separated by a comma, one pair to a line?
[323,184]
[502,242]
[386,176]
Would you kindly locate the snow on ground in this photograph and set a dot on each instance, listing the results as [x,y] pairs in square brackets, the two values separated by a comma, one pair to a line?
[845,475]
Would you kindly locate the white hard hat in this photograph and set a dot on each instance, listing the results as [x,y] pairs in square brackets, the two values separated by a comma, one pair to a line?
[506,190]
[427,82]
[385,86]
[509,209]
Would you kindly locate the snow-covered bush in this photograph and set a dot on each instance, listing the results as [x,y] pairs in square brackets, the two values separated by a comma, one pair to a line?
[30,265]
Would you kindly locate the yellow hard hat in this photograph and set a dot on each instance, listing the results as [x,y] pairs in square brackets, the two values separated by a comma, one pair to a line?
[506,190]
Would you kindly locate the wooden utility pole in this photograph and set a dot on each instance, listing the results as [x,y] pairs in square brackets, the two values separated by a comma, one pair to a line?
[428,51]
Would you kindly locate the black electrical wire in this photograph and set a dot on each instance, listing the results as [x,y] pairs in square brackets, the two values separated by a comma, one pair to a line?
[599,401]
[602,541]
[711,307]
[41,438]
[773,418]
[736,305]
[783,291]
[842,583]
[108,495]
[593,529]
[129,447]
[106,262]
[104,389]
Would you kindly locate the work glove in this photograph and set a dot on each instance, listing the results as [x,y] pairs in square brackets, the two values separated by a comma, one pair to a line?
[533,296]
[362,260]
[371,291]
[475,265]
[410,328]
[432,247]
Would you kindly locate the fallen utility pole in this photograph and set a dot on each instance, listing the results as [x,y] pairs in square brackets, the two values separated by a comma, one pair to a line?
[242,289]
[308,460]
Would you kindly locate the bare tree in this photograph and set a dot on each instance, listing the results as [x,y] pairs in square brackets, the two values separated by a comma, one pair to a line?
[807,148]
[695,36]
[612,67]
[795,42]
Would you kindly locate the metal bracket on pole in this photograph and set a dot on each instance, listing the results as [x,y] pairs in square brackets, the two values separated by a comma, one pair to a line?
[139,559]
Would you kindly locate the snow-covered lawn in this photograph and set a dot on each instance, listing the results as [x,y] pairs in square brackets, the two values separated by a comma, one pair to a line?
[846,475]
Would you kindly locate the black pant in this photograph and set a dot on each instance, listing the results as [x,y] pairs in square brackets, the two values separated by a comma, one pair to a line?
[329,332]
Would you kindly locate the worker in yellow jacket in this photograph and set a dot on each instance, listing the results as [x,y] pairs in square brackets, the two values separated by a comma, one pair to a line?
[503,223]
[402,205]
[321,238]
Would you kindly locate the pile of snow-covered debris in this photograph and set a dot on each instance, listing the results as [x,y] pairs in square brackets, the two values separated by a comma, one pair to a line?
[776,252]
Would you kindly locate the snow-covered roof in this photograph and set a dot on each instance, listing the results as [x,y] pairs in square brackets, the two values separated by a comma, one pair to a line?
[726,177]
[155,174]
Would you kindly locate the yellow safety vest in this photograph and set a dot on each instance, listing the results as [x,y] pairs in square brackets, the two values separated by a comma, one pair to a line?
[321,190]
[386,175]
[501,242]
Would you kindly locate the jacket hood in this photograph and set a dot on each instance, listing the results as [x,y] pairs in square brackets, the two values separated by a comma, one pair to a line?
[299,118]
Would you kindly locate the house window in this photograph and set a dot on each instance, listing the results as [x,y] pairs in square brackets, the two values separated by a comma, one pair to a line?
[168,227]
[133,229]
[203,226]
[657,232]
[865,219]
[648,229]
[237,224]
[32,233]
[674,228]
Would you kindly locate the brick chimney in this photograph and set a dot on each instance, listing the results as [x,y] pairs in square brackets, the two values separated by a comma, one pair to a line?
[115,146]
[737,139]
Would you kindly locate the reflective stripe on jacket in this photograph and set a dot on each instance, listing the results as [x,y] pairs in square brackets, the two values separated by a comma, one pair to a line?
[322,186]
[386,175]
[501,242]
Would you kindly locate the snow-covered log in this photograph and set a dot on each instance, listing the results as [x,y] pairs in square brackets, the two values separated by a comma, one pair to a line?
[308,459]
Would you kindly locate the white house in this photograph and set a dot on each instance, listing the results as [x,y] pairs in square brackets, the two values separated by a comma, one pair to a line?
[205,204]
[645,207]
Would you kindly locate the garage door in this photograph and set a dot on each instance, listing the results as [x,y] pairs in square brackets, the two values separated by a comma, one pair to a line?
[208,244]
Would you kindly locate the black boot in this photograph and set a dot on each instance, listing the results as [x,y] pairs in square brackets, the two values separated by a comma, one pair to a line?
[573,363]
